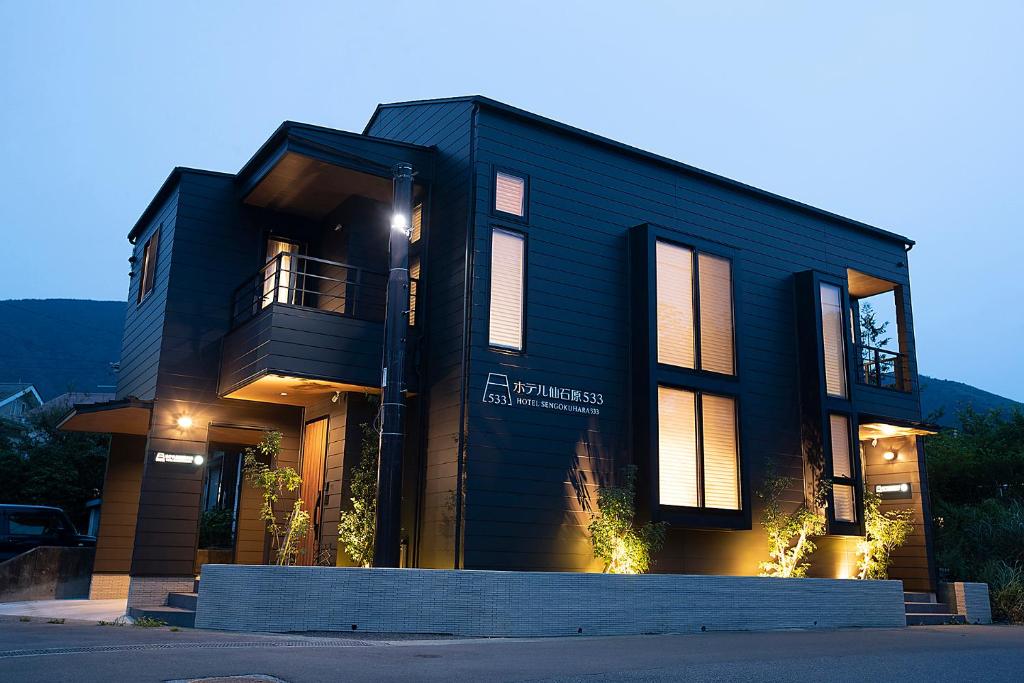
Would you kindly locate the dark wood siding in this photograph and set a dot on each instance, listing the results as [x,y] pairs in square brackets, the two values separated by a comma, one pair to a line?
[524,466]
[447,127]
[121,487]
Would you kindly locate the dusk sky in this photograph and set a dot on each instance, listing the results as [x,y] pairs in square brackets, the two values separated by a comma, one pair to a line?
[908,118]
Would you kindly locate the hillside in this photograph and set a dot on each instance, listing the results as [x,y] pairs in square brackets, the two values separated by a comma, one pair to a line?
[60,344]
[69,343]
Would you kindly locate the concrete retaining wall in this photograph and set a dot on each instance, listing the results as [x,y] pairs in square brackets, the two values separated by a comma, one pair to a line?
[968,599]
[489,603]
[47,573]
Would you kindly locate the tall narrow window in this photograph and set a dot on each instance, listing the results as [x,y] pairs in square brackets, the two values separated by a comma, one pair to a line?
[716,323]
[834,340]
[677,447]
[148,273]
[279,273]
[414,281]
[674,283]
[510,194]
[507,276]
[417,223]
[842,469]
[697,467]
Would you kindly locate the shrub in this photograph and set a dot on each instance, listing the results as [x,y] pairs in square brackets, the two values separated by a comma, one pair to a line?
[215,528]
[286,539]
[358,524]
[885,531]
[790,534]
[1005,590]
[623,548]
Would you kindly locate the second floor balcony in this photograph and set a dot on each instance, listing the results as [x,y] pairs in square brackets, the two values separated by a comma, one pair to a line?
[883,368]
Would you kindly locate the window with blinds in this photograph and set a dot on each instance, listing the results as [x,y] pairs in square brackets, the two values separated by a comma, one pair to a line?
[842,469]
[417,223]
[674,282]
[414,277]
[507,279]
[716,322]
[697,467]
[510,194]
[834,340]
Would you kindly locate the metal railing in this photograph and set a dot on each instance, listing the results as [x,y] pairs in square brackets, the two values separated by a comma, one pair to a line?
[308,282]
[883,368]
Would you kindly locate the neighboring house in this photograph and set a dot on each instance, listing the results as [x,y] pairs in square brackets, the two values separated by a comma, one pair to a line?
[70,399]
[577,305]
[17,400]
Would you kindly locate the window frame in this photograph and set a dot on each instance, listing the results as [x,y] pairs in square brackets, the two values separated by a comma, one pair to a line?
[501,215]
[668,512]
[523,292]
[150,259]
[840,527]
[696,251]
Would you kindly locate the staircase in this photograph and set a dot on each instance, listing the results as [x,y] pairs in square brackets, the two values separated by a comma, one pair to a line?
[180,609]
[923,610]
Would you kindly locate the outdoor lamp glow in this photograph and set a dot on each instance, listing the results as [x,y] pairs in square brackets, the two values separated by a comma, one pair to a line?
[400,221]
[184,422]
[889,456]
[198,460]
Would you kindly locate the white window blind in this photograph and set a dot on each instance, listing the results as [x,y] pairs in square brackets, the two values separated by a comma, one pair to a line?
[674,282]
[721,471]
[832,335]
[414,276]
[716,322]
[677,447]
[510,194]
[840,428]
[507,271]
[417,223]
[280,272]
[842,495]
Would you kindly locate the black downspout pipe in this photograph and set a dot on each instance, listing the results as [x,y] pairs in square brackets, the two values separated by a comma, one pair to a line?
[386,551]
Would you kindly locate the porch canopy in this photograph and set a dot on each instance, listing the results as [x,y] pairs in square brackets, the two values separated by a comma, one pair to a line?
[873,427]
[123,416]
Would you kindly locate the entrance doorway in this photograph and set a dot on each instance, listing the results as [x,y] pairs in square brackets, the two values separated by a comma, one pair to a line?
[314,456]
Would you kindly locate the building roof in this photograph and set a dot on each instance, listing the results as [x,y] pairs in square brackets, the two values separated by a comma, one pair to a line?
[649,156]
[69,399]
[12,391]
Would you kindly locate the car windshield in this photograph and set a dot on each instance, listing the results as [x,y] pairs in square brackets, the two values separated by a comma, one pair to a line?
[35,523]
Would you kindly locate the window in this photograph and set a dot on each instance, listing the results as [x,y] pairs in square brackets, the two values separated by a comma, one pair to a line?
[417,223]
[414,276]
[678,277]
[507,275]
[34,524]
[842,469]
[833,339]
[148,272]
[697,467]
[509,194]
[279,272]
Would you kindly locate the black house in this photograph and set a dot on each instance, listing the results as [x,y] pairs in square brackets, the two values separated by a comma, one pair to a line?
[576,305]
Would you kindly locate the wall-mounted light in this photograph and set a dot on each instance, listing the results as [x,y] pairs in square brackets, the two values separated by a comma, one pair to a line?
[889,456]
[399,221]
[184,422]
[284,393]
[197,460]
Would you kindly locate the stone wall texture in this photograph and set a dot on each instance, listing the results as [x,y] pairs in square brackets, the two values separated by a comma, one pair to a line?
[150,591]
[968,599]
[493,603]
[109,586]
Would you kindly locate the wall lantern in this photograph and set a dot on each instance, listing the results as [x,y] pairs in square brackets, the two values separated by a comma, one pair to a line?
[184,422]
[889,456]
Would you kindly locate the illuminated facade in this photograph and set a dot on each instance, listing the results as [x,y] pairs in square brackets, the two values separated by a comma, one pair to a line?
[576,305]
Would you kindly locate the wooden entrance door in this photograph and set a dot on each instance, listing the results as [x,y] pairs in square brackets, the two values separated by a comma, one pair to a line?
[314,455]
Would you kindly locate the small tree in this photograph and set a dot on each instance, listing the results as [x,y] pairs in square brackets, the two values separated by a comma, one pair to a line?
[872,332]
[623,548]
[790,534]
[885,531]
[285,539]
[358,524]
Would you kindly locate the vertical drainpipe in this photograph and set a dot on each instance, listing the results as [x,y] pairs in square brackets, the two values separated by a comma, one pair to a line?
[386,551]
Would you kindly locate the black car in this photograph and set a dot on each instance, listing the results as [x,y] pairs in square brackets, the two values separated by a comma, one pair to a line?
[23,527]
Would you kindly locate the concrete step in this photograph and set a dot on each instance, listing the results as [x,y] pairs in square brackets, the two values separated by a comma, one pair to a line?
[183,600]
[935,619]
[918,597]
[172,616]
[926,608]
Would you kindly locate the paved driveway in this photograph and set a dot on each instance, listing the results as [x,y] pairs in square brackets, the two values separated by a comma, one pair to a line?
[37,651]
[82,610]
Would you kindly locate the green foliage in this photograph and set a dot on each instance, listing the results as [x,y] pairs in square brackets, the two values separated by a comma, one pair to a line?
[1005,590]
[358,524]
[148,622]
[622,547]
[215,528]
[40,465]
[273,482]
[790,533]
[968,537]
[982,459]
[885,531]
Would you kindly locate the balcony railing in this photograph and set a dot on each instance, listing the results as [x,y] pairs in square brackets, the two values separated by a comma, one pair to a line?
[883,368]
[308,282]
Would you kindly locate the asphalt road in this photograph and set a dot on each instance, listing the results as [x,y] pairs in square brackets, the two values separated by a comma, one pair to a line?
[38,651]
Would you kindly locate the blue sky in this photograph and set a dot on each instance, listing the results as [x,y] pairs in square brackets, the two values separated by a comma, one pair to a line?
[907,117]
